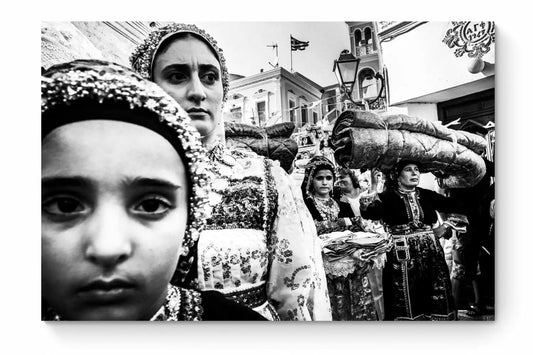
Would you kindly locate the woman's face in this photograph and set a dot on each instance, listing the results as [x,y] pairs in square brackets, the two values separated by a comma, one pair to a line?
[346,184]
[323,183]
[190,73]
[114,212]
[409,177]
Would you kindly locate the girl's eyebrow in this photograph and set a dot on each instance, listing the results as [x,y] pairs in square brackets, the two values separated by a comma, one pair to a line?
[66,181]
[54,182]
[151,182]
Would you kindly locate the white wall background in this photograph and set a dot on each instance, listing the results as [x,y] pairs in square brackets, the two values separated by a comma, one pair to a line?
[419,63]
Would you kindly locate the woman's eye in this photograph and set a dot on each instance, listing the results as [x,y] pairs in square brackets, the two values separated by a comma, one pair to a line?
[177,77]
[153,206]
[63,206]
[210,78]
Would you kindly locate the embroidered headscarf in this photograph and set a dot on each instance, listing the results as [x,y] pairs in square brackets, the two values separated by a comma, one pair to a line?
[84,89]
[143,57]
[317,163]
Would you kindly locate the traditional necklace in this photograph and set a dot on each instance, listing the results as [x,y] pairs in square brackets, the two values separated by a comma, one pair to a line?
[327,207]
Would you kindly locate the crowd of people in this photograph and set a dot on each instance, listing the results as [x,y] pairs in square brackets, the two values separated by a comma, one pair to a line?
[147,215]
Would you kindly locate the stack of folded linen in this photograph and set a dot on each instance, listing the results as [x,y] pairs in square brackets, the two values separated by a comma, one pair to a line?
[345,251]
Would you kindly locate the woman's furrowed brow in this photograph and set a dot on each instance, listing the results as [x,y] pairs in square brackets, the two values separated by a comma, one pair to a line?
[207,67]
[176,66]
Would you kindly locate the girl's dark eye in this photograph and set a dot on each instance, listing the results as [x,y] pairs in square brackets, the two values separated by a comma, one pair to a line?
[153,206]
[63,206]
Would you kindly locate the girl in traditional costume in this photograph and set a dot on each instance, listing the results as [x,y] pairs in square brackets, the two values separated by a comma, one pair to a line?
[349,288]
[124,187]
[260,246]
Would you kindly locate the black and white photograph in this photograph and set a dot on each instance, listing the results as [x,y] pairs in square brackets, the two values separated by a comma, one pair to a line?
[310,176]
[227,177]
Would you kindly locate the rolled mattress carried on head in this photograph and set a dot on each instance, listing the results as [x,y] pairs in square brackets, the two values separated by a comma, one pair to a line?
[273,142]
[366,140]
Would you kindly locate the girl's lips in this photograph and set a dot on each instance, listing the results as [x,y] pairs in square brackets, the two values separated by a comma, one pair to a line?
[101,291]
[114,295]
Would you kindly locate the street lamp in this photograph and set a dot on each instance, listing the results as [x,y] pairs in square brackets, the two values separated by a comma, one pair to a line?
[346,68]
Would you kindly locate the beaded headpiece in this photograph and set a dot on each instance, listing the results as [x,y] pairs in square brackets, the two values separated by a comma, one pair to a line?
[318,162]
[103,83]
[143,57]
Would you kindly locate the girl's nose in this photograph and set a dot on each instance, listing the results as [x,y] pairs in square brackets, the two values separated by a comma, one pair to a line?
[107,239]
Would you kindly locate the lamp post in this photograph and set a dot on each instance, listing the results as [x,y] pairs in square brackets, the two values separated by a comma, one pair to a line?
[346,69]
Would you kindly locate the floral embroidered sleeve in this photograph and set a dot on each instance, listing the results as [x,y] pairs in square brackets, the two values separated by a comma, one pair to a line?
[297,281]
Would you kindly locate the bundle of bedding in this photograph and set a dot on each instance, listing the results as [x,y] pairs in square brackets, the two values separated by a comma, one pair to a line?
[366,140]
[273,142]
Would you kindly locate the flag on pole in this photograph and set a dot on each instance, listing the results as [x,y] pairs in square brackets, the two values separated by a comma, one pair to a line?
[298,45]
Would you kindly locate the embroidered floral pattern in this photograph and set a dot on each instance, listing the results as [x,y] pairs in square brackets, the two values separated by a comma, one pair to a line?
[242,205]
[281,251]
[290,281]
[261,239]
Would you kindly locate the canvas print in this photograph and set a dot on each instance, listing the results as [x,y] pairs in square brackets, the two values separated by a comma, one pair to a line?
[268,171]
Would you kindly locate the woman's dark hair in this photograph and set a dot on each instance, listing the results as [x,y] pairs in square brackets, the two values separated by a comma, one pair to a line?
[351,174]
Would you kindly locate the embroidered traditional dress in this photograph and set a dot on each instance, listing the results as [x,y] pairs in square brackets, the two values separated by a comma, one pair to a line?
[348,287]
[416,281]
[260,246]
[375,275]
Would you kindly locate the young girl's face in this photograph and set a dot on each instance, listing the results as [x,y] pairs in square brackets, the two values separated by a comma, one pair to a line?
[114,212]
[323,183]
